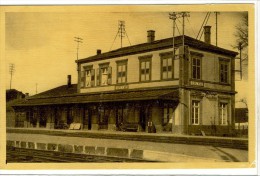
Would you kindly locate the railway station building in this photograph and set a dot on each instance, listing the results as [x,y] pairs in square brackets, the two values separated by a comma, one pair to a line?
[185,91]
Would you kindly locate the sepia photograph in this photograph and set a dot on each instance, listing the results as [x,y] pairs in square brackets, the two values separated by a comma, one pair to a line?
[129,84]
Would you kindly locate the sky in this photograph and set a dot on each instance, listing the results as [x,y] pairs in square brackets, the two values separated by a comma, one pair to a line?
[42,46]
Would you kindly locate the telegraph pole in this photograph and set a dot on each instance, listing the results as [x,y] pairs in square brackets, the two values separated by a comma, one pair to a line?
[121,29]
[173,16]
[11,71]
[121,33]
[184,14]
[216,13]
[240,47]
[78,40]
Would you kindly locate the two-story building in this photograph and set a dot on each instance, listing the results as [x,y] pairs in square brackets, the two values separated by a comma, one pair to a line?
[188,90]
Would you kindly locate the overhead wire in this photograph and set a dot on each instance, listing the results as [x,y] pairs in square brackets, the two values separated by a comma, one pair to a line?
[128,38]
[113,41]
[202,24]
[191,26]
[205,24]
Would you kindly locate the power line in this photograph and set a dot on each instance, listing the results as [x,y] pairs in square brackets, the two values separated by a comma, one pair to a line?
[191,26]
[11,71]
[202,24]
[205,24]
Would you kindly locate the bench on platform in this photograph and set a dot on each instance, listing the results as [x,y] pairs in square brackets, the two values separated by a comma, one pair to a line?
[129,127]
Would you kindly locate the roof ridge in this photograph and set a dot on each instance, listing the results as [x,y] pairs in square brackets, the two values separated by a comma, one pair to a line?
[157,45]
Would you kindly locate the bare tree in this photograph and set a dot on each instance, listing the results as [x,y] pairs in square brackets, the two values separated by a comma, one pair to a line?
[241,35]
[242,32]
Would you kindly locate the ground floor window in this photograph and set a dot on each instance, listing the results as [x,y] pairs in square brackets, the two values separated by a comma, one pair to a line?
[223,114]
[19,119]
[167,113]
[121,114]
[33,119]
[42,119]
[195,113]
[103,114]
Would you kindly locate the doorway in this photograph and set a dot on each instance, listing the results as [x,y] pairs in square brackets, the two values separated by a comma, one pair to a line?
[144,116]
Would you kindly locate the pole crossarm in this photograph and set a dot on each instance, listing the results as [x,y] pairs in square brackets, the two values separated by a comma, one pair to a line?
[78,40]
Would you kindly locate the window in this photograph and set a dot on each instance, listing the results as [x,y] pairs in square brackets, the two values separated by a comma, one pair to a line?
[103,114]
[122,71]
[195,113]
[145,68]
[104,74]
[196,68]
[167,71]
[223,113]
[167,113]
[88,76]
[224,71]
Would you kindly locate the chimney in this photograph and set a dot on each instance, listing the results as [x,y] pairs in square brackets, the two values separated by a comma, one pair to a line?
[150,36]
[98,51]
[207,34]
[69,80]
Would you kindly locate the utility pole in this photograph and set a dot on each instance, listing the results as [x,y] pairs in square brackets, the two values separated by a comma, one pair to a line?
[184,14]
[173,16]
[11,71]
[216,13]
[121,30]
[121,33]
[78,40]
[36,88]
[240,47]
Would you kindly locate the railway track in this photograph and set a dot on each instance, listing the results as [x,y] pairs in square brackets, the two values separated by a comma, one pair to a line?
[15,155]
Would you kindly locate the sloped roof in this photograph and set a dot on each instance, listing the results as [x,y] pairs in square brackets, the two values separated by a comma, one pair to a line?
[61,95]
[158,45]
[63,90]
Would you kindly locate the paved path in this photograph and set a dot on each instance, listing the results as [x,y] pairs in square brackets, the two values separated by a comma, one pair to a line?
[180,152]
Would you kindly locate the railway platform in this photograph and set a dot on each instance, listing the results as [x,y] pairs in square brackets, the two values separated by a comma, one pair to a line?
[150,147]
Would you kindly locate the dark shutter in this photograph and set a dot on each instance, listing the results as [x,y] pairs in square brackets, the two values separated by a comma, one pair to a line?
[98,77]
[92,78]
[82,79]
[109,76]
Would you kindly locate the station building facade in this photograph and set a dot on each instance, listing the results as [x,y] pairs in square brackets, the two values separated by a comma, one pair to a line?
[186,91]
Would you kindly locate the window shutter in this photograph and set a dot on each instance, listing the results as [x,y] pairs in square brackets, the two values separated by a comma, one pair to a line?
[109,77]
[82,79]
[92,78]
[98,77]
